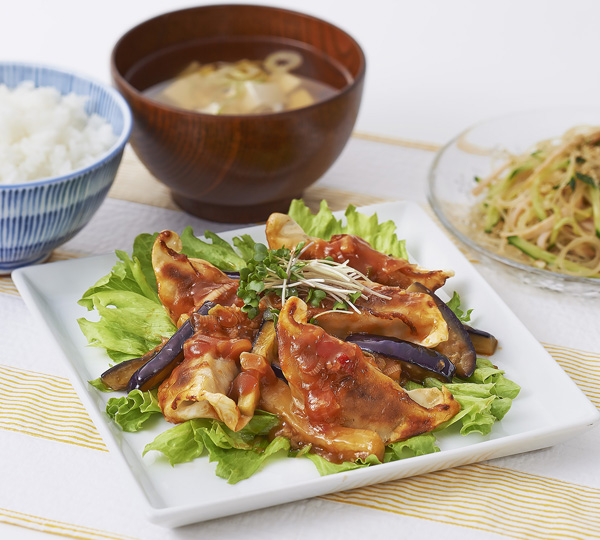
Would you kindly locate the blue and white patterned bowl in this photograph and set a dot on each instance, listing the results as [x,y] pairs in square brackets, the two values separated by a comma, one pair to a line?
[37,217]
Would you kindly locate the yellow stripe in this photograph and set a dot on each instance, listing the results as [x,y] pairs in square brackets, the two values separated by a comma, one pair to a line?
[582,366]
[524,505]
[28,430]
[27,416]
[62,255]
[31,375]
[451,519]
[45,406]
[33,393]
[7,286]
[575,353]
[507,494]
[60,528]
[396,141]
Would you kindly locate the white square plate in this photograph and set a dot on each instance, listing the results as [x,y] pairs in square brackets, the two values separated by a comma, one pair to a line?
[191,492]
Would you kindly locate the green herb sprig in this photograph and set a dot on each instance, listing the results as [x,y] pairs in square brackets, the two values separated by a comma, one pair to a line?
[282,272]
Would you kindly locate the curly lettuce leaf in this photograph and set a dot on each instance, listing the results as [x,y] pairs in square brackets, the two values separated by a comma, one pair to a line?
[324,224]
[142,251]
[381,236]
[127,275]
[235,464]
[415,446]
[245,245]
[132,320]
[325,467]
[485,398]
[239,454]
[218,251]
[130,324]
[487,373]
[130,412]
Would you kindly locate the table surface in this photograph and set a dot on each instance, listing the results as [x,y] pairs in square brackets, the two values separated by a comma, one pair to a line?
[550,494]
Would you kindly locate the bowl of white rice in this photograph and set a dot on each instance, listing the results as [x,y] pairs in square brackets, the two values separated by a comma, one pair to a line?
[62,137]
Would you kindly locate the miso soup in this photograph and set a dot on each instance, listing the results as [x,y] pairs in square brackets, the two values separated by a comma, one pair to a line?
[243,87]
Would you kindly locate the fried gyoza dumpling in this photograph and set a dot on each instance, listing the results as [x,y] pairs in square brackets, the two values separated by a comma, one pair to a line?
[334,383]
[184,284]
[405,315]
[336,443]
[198,387]
[283,231]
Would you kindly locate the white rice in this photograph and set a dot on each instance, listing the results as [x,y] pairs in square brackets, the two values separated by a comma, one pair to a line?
[44,134]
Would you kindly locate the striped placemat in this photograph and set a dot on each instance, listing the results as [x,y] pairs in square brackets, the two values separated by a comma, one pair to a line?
[47,406]
[491,499]
[582,366]
[61,528]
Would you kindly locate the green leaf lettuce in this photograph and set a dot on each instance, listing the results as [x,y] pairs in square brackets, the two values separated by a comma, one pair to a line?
[130,412]
[238,454]
[485,398]
[324,224]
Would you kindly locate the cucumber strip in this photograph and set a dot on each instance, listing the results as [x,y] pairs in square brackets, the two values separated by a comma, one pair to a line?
[559,225]
[536,252]
[595,197]
[492,216]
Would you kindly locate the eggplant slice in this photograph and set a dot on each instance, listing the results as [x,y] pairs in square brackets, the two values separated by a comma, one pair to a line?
[118,376]
[155,371]
[458,347]
[483,342]
[411,353]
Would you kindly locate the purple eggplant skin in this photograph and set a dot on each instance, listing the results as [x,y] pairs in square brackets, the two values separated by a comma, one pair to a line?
[483,342]
[232,275]
[458,347]
[278,371]
[118,376]
[405,351]
[151,374]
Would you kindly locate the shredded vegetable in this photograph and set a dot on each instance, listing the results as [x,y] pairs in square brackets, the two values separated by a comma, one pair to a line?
[546,203]
[282,272]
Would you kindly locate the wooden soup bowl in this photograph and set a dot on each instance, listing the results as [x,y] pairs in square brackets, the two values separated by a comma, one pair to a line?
[237,168]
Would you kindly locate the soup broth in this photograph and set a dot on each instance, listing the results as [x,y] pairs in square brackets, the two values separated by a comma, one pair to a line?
[245,87]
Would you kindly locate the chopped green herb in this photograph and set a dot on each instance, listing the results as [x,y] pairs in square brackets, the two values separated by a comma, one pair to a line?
[586,179]
[281,272]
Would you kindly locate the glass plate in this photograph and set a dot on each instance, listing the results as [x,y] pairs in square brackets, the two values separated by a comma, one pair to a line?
[191,492]
[477,152]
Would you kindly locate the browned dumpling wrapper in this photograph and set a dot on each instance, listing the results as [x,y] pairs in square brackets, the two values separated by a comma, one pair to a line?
[334,383]
[184,283]
[283,231]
